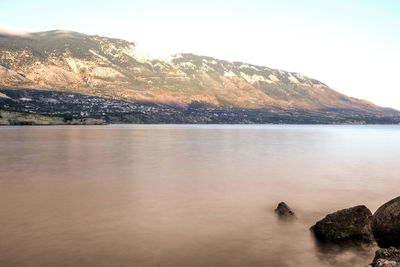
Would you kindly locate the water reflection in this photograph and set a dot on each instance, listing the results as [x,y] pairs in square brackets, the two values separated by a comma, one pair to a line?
[186,195]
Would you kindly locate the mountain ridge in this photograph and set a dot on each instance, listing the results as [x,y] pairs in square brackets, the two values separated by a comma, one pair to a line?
[98,66]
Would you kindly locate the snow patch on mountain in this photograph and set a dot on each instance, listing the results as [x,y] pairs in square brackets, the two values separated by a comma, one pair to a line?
[245,66]
[229,74]
[293,79]
[205,68]
[188,65]
[273,78]
[299,76]
[145,55]
[213,62]
[254,78]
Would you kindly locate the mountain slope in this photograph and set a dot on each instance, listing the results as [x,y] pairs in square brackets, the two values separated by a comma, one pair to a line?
[113,68]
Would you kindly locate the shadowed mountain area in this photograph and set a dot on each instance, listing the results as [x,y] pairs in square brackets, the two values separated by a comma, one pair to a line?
[105,73]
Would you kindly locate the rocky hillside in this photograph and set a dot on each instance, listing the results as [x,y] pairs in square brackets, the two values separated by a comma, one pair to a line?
[112,68]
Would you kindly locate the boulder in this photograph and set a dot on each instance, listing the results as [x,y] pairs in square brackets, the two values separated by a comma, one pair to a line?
[347,225]
[386,224]
[386,257]
[284,211]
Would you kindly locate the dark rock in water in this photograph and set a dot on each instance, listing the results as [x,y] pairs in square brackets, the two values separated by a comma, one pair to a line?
[347,225]
[386,257]
[284,211]
[386,224]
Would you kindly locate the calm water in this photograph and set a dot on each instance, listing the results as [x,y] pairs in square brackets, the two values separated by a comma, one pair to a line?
[186,195]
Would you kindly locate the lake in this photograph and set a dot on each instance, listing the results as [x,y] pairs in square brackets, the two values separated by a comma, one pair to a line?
[187,195]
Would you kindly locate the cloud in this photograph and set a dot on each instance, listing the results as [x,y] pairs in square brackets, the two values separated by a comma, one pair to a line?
[6,29]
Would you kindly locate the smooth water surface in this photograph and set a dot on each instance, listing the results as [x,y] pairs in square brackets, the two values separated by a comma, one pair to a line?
[171,196]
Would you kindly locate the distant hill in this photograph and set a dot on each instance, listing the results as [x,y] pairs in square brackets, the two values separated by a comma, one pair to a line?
[106,68]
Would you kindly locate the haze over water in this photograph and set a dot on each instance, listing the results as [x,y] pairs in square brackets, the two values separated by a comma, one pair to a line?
[172,196]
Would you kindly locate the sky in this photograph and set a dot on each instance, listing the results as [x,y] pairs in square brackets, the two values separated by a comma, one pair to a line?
[351,45]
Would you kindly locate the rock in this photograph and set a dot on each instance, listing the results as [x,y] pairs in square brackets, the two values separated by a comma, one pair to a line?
[386,257]
[284,211]
[386,224]
[347,225]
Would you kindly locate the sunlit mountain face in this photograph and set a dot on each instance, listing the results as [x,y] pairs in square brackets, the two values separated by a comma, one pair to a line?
[97,66]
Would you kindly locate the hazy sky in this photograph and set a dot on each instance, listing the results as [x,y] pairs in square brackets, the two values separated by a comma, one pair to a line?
[353,46]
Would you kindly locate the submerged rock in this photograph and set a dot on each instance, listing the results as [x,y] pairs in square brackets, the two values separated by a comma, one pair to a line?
[284,211]
[386,224]
[347,225]
[386,257]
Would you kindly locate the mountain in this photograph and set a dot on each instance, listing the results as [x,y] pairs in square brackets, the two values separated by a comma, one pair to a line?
[116,70]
